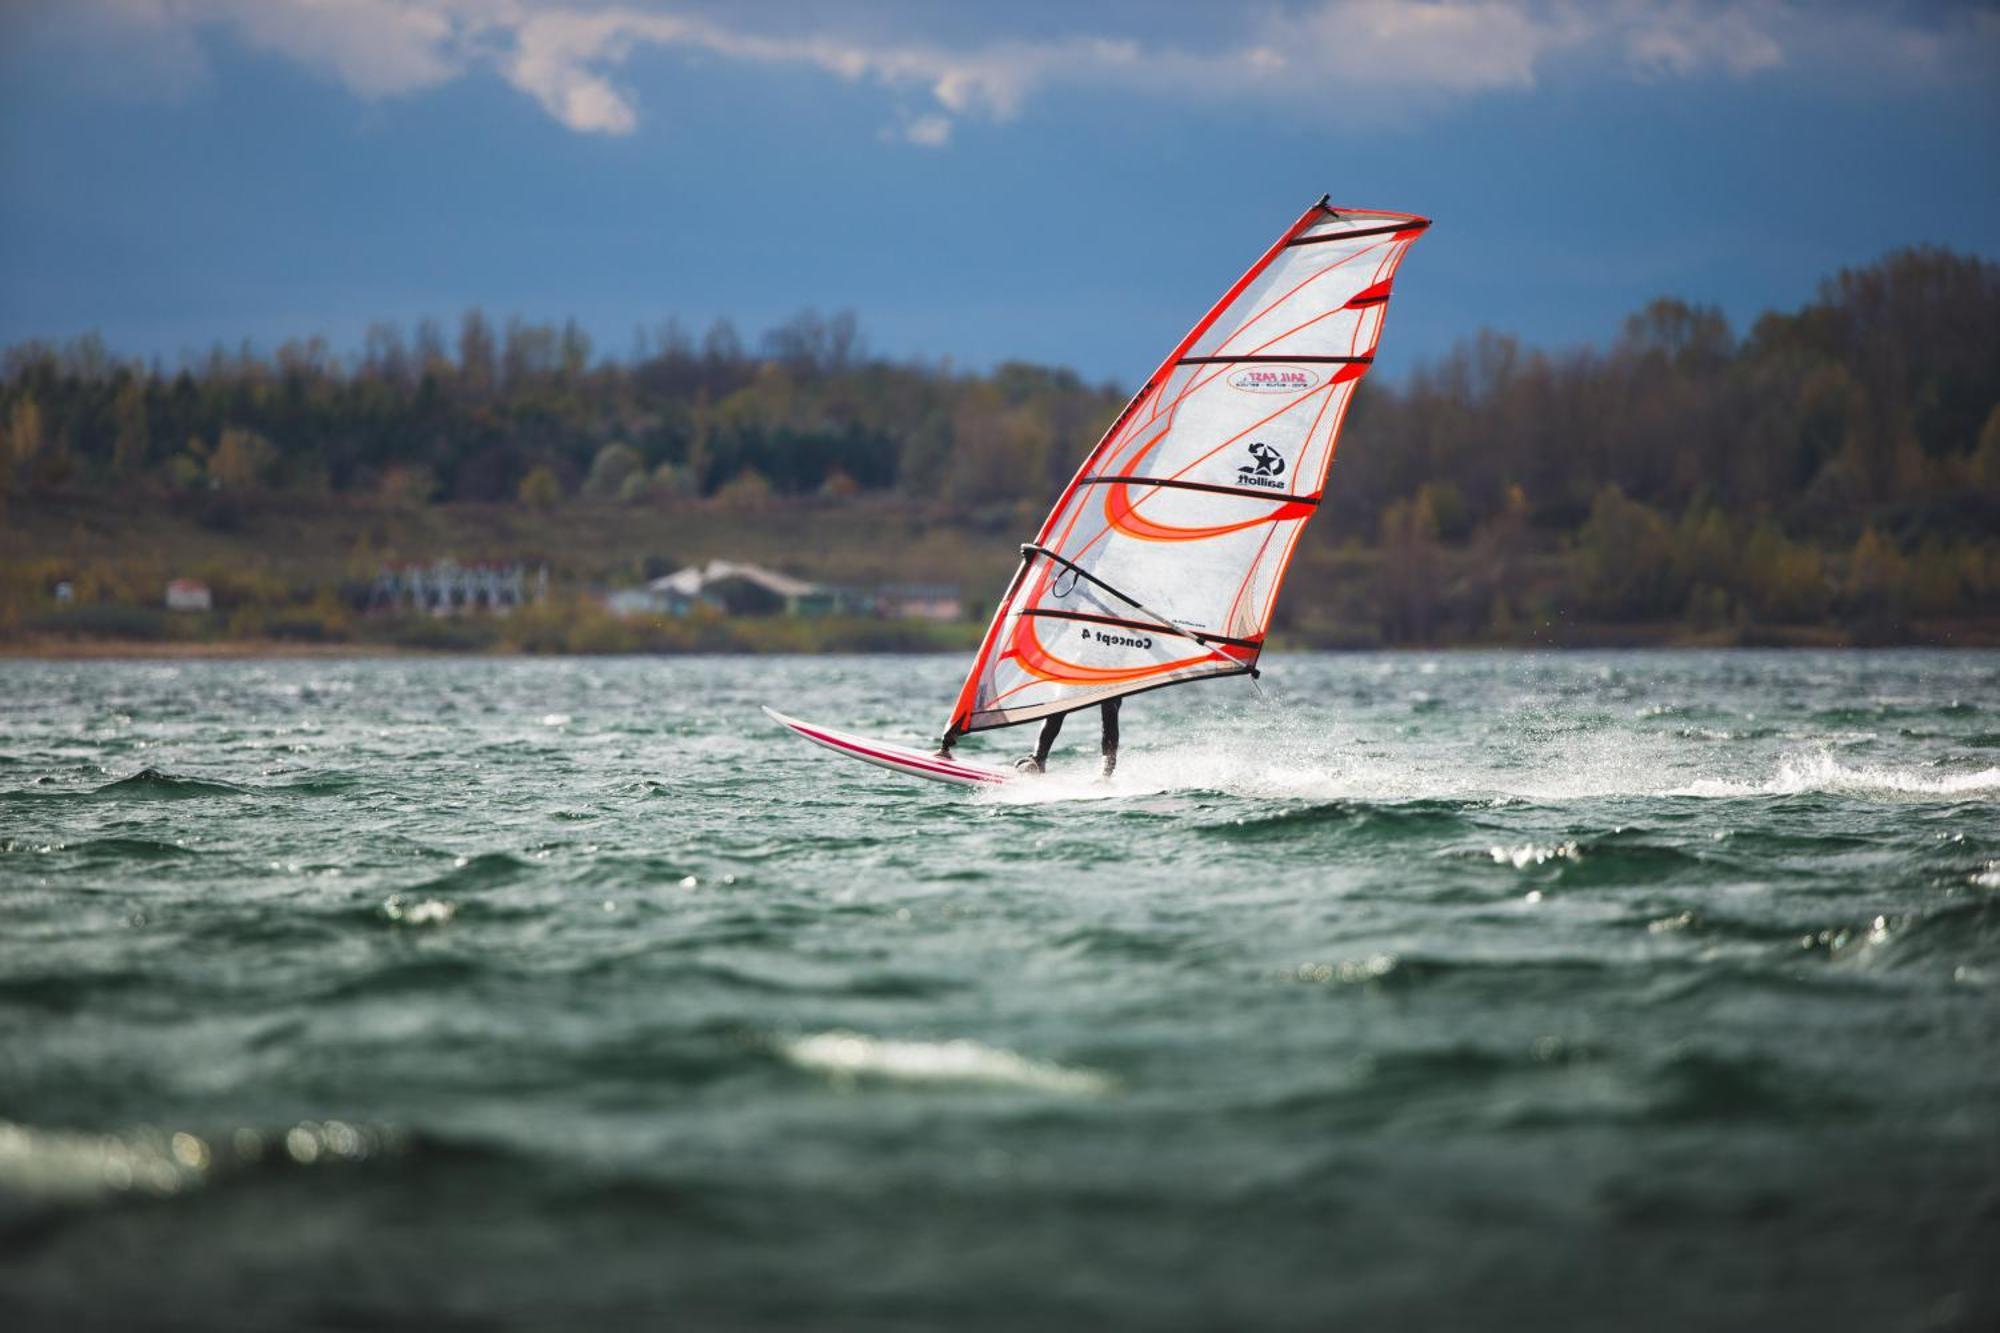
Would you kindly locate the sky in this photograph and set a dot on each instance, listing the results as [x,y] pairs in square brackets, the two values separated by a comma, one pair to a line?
[1070,183]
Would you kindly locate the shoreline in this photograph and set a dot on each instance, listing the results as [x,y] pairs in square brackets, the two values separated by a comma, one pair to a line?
[49,649]
[93,650]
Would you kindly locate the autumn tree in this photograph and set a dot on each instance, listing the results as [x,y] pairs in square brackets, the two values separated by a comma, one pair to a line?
[132,437]
[615,464]
[540,491]
[1409,538]
[476,370]
[241,461]
[24,433]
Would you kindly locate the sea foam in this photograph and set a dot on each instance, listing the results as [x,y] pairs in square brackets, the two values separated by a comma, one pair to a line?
[851,1055]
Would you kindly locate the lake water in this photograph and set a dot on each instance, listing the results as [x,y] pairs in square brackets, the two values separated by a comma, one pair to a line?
[1468,991]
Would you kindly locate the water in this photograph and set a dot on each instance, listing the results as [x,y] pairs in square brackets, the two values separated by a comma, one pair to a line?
[1606,990]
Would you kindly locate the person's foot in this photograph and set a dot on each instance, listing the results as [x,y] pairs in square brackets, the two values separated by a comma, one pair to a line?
[1027,763]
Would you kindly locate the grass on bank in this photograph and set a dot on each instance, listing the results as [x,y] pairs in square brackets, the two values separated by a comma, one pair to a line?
[297,570]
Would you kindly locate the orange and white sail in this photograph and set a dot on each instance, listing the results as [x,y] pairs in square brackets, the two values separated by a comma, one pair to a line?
[1162,560]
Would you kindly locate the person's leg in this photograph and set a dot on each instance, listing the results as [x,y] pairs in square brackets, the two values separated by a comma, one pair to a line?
[1051,728]
[1111,735]
[1038,761]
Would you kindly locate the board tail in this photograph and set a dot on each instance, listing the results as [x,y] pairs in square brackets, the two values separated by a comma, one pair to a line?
[887,754]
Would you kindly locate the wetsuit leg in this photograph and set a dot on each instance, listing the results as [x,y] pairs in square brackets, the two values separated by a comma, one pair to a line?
[1111,735]
[1051,728]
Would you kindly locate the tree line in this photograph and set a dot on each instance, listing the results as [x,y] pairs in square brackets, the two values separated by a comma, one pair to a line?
[1686,470]
[527,412]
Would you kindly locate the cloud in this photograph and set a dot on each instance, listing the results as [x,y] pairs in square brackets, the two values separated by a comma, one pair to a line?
[1679,40]
[377,48]
[1450,47]
[1373,59]
[556,60]
[928,131]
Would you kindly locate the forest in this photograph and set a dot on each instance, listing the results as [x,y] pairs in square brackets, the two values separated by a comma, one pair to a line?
[1830,474]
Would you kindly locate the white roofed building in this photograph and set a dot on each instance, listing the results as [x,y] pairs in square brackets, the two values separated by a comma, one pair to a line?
[189,595]
[729,586]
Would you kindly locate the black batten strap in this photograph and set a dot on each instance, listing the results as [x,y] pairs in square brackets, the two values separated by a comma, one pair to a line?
[1275,497]
[1054,613]
[1030,548]
[1159,624]
[1274,359]
[1415,224]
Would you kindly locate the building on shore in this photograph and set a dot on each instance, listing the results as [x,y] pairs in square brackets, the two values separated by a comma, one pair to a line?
[189,595]
[728,586]
[739,589]
[447,588]
[920,601]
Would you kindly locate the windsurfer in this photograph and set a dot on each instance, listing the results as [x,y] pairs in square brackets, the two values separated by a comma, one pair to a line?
[1052,727]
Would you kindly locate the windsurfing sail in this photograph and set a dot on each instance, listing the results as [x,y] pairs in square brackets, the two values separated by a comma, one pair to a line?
[1162,560]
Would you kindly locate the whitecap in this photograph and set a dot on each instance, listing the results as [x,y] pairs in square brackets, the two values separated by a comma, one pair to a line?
[423,912]
[1534,854]
[852,1055]
[69,1165]
[76,1166]
[1821,772]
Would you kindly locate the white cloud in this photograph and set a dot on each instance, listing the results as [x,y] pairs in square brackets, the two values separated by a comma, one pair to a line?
[1369,58]
[555,59]
[378,48]
[1682,39]
[1451,46]
[928,131]
[374,48]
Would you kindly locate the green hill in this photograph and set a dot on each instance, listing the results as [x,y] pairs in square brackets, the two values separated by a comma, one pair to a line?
[1832,475]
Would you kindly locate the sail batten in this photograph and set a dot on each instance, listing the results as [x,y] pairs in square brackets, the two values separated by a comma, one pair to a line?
[1157,566]
[1251,359]
[1203,486]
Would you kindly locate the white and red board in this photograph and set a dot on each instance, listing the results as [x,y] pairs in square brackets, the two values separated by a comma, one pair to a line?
[897,758]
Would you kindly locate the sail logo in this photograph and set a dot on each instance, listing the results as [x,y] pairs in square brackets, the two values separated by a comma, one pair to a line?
[1266,465]
[1274,379]
[1116,640]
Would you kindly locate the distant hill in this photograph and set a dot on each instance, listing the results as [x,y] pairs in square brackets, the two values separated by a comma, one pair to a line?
[1830,474]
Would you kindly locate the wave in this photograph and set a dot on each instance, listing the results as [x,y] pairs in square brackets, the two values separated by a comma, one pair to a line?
[414,912]
[153,784]
[64,1166]
[1821,772]
[318,784]
[472,873]
[129,849]
[1703,1085]
[1411,818]
[850,1056]
[1337,779]
[150,784]
[1961,934]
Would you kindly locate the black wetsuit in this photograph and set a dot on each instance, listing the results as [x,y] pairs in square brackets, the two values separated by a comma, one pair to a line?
[1053,728]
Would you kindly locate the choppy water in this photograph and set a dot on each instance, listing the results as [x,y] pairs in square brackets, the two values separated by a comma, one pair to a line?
[1591,991]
